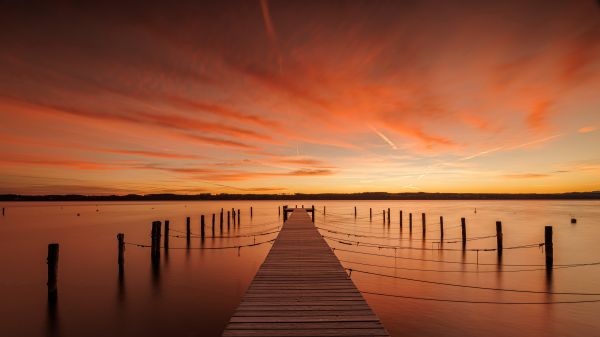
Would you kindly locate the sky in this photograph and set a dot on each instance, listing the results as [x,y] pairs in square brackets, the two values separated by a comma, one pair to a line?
[300,97]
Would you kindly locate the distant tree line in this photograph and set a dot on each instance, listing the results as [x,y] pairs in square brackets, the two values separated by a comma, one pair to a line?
[304,196]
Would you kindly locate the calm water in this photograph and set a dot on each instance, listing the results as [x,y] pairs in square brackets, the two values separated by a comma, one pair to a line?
[194,291]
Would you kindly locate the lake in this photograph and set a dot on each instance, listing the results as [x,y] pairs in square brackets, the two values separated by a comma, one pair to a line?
[195,290]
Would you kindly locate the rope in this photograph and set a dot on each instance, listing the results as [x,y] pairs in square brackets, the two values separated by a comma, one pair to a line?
[207,248]
[194,235]
[477,302]
[596,263]
[475,287]
[368,244]
[446,271]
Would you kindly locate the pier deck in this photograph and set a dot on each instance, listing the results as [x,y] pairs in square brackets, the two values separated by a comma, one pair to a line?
[301,289]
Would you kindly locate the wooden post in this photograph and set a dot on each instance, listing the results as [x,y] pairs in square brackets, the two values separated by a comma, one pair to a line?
[323,210]
[52,261]
[441,227]
[354,211]
[187,230]
[463,227]
[228,220]
[166,244]
[213,225]
[423,226]
[155,240]
[202,227]
[2,211]
[383,213]
[499,237]
[410,222]
[233,216]
[279,210]
[401,221]
[313,213]
[284,213]
[549,248]
[370,214]
[389,216]
[239,218]
[121,249]
[251,212]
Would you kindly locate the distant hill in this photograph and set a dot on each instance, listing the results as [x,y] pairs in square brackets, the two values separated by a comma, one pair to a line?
[302,196]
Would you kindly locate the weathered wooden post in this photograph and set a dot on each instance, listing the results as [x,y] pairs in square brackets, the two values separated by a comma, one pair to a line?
[187,230]
[233,216]
[251,212]
[155,240]
[549,248]
[389,216]
[323,210]
[370,214]
[313,213]
[202,227]
[441,227]
[400,221]
[239,218]
[228,220]
[410,223]
[279,210]
[499,237]
[2,211]
[213,225]
[121,250]
[284,213]
[355,212]
[166,244]
[383,213]
[52,261]
[463,228]
[423,226]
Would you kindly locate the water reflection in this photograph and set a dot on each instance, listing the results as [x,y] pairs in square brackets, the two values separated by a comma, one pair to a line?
[52,316]
[121,284]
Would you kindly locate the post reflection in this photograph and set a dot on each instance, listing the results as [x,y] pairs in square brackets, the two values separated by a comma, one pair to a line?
[52,316]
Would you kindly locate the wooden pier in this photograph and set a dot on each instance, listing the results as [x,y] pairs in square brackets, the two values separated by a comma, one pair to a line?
[301,289]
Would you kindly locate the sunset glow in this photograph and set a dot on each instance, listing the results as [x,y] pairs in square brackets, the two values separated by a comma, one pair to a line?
[295,96]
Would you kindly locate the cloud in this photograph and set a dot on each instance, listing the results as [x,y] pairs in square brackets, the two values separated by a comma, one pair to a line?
[526,175]
[587,129]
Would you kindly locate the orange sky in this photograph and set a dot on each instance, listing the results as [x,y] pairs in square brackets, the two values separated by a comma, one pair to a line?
[300,96]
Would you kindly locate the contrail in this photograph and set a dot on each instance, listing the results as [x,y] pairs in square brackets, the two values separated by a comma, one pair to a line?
[386,139]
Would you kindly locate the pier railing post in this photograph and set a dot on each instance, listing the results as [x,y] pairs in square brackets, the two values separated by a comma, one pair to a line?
[463,229]
[166,243]
[121,251]
[549,248]
[52,261]
[187,230]
[389,216]
[423,225]
[499,237]
[400,221]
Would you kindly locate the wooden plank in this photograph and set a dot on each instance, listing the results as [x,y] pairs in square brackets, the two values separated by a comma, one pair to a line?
[301,289]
